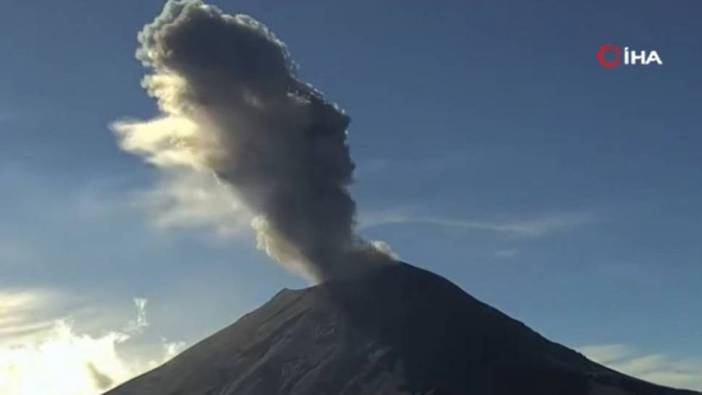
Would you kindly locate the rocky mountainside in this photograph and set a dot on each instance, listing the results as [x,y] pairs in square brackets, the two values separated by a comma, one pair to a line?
[395,330]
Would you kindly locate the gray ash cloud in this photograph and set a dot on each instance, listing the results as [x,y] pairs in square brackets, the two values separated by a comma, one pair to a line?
[233,106]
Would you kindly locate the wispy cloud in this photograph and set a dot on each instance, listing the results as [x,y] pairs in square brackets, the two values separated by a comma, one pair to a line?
[506,254]
[656,368]
[530,227]
[20,314]
[195,200]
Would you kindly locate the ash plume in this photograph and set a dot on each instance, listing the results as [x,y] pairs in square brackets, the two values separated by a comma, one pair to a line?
[232,106]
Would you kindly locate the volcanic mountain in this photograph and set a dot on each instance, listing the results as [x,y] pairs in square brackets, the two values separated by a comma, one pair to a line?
[395,330]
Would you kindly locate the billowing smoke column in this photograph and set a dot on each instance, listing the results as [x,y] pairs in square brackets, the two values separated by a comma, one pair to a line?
[231,105]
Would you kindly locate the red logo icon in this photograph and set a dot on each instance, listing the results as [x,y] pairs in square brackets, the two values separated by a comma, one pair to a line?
[609,49]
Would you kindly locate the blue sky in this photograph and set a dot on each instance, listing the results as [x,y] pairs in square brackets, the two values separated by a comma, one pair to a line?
[490,146]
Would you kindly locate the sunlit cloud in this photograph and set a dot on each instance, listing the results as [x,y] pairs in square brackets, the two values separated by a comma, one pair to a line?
[37,356]
[656,368]
[19,316]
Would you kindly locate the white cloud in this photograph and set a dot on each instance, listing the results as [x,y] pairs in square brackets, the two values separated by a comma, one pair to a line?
[656,368]
[532,227]
[54,355]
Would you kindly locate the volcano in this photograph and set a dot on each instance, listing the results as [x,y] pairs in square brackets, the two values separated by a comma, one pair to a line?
[396,329]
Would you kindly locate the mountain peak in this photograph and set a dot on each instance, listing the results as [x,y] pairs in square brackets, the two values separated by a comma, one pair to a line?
[396,329]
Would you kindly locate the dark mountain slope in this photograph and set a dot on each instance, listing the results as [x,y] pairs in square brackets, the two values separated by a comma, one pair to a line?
[396,330]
